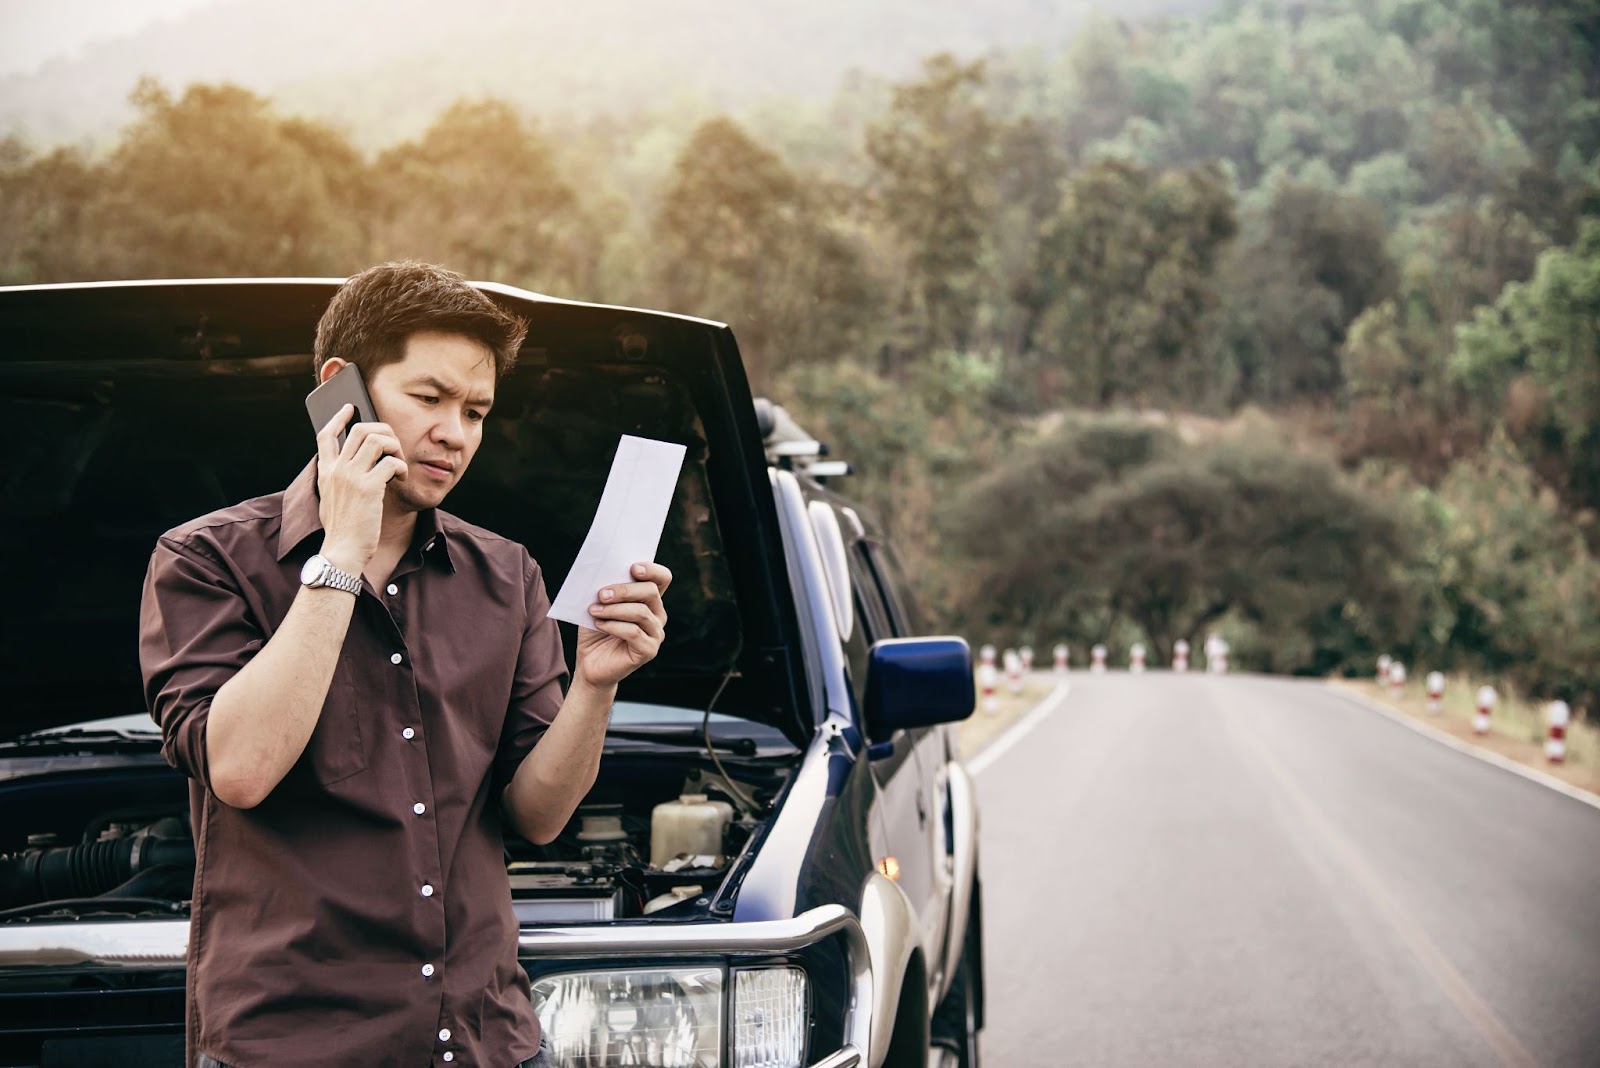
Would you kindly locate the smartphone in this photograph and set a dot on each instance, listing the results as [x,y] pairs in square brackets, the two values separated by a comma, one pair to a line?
[345,387]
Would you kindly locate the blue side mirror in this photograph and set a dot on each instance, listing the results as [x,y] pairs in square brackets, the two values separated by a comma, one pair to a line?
[917,682]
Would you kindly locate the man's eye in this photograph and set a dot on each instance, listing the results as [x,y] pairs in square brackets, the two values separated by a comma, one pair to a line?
[427,398]
[475,416]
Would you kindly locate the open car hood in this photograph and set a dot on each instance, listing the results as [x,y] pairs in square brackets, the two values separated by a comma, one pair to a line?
[131,407]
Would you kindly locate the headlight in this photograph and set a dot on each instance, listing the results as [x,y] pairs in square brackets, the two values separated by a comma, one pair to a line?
[672,1017]
[769,1018]
[655,1017]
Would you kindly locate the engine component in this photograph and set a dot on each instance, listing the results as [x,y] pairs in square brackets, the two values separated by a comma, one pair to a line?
[671,897]
[89,869]
[691,824]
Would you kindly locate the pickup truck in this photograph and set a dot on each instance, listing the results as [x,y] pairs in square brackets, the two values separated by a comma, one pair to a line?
[833,920]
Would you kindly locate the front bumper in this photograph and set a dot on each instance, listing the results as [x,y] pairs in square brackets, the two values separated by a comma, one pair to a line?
[138,945]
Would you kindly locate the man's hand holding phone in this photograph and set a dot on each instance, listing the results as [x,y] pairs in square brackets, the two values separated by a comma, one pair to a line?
[352,481]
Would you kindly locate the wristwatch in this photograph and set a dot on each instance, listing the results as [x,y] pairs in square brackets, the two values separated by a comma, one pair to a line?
[319,571]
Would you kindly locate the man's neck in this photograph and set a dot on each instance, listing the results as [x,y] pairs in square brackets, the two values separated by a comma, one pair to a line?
[398,527]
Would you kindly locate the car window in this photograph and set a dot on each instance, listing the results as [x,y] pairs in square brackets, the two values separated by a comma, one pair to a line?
[889,578]
[857,648]
[870,605]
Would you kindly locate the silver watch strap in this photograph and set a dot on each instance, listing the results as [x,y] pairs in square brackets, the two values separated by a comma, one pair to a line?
[343,580]
[340,580]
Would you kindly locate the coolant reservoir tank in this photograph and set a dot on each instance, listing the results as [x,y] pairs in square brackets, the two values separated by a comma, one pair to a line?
[691,824]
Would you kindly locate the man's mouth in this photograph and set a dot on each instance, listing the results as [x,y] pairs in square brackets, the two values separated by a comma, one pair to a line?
[442,469]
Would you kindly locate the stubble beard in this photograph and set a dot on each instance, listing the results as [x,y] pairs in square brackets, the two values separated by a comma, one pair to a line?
[407,496]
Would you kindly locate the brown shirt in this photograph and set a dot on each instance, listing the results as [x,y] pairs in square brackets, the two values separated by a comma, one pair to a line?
[361,914]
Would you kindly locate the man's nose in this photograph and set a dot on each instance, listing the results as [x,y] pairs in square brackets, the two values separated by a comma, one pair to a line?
[450,429]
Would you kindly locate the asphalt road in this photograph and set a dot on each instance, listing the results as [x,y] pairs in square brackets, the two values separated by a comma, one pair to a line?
[1208,870]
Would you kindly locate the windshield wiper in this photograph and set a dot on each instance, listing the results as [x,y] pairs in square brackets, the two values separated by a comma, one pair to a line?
[688,738]
[79,738]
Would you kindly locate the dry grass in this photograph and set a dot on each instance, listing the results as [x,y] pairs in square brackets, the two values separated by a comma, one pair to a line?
[1516,726]
[983,726]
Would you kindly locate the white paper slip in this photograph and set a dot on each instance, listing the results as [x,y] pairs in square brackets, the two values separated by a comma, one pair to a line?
[627,525]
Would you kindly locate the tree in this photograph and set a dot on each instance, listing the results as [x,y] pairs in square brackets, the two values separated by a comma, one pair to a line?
[1128,262]
[42,202]
[1307,264]
[1519,591]
[215,183]
[1173,539]
[482,192]
[932,180]
[1546,331]
[739,237]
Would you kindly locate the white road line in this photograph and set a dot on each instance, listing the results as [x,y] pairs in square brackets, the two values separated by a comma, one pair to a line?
[1487,755]
[1014,733]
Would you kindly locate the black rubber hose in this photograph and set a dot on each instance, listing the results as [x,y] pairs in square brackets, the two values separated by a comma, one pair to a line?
[85,870]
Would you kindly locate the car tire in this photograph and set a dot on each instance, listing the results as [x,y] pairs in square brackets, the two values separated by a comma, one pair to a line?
[959,1017]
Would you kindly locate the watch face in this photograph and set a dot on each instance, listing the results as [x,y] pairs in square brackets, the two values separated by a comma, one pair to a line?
[313,569]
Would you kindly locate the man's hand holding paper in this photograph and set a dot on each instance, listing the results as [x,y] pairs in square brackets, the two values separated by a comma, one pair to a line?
[613,591]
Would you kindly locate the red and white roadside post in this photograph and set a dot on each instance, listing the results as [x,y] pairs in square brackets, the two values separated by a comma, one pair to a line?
[1486,700]
[1555,744]
[1383,668]
[1397,679]
[1435,692]
[1180,655]
[1216,655]
[1062,655]
[1027,657]
[1098,657]
[1136,658]
[1013,666]
[988,679]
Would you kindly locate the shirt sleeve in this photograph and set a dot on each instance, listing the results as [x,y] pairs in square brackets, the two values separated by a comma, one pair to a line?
[195,633]
[539,685]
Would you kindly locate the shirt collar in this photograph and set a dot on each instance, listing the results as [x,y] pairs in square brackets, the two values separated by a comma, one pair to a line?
[302,517]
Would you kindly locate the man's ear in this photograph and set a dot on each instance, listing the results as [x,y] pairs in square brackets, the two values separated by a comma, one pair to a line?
[330,367]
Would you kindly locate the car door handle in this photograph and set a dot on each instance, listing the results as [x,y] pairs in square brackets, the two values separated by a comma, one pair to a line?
[922,811]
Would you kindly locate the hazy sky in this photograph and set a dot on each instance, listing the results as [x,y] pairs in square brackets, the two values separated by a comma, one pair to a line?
[34,31]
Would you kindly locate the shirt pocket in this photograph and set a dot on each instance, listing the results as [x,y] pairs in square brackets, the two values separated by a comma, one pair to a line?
[337,749]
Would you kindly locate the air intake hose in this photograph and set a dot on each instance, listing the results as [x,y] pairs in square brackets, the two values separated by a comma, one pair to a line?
[86,870]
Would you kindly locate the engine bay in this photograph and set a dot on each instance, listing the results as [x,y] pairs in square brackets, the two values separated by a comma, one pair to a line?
[657,835]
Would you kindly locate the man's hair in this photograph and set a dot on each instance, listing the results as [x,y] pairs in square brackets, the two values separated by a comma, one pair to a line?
[370,317]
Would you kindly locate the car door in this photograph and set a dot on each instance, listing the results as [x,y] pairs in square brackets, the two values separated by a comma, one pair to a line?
[908,777]
[899,612]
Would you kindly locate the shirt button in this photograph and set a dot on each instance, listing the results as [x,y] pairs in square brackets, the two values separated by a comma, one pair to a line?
[449,1056]
[444,1034]
[427,891]
[396,658]
[427,970]
[408,734]
[393,589]
[419,808]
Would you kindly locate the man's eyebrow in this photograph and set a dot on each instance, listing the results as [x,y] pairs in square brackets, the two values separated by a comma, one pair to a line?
[482,400]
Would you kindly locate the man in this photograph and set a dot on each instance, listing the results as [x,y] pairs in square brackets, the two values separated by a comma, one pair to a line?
[355,682]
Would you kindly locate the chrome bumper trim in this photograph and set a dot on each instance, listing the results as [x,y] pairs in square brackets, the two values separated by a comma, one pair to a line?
[849,1057]
[102,944]
[157,944]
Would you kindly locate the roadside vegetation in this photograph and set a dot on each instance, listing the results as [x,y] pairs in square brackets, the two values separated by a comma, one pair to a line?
[1517,727]
[1282,321]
